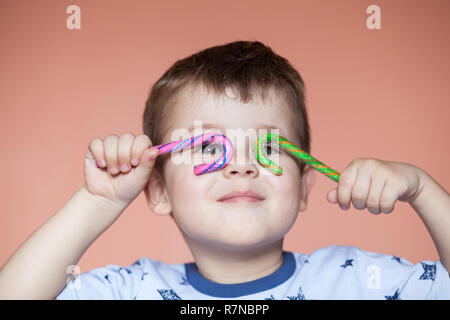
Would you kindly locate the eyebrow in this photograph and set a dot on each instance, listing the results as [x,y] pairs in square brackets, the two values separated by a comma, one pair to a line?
[217,126]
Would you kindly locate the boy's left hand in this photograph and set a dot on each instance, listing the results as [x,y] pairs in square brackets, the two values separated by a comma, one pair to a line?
[376,185]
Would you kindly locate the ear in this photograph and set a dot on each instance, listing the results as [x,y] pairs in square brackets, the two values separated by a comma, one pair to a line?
[307,181]
[156,194]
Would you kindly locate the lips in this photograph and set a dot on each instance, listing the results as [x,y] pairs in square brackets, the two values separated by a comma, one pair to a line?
[239,196]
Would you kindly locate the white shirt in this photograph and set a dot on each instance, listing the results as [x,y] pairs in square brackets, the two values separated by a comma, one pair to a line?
[332,272]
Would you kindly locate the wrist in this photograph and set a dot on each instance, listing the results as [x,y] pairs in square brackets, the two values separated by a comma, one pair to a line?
[423,183]
[101,202]
[429,191]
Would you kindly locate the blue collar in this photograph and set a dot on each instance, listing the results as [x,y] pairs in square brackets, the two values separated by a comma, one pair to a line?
[215,289]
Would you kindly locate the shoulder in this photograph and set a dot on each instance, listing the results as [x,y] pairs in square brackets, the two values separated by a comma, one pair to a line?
[118,282]
[375,275]
[351,264]
[145,265]
[339,252]
[143,268]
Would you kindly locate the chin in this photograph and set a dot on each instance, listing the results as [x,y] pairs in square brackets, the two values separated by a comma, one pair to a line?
[236,246]
[237,229]
[246,239]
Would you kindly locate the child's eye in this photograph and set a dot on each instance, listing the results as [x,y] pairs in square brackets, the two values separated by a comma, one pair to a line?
[270,149]
[210,148]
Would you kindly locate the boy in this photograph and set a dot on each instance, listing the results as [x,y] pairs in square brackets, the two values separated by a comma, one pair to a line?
[233,220]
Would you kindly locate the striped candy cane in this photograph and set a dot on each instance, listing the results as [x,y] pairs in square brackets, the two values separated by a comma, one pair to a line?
[292,149]
[227,150]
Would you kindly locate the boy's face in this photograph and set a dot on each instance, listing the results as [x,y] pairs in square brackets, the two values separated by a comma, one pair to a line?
[194,200]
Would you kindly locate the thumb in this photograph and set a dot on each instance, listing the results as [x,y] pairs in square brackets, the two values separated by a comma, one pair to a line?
[146,164]
[332,196]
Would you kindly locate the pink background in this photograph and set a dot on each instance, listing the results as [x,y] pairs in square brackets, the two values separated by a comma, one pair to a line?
[371,93]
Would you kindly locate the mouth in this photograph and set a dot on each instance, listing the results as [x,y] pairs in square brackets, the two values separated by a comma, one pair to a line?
[242,199]
[238,196]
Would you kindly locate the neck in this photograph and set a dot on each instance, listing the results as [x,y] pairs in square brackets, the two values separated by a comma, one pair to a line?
[227,266]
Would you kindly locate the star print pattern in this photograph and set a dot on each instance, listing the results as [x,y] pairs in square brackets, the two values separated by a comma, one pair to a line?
[347,263]
[184,281]
[137,263]
[429,271]
[299,296]
[168,294]
[127,270]
[395,296]
[314,283]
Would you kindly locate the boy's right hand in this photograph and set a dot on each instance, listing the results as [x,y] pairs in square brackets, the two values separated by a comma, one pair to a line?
[117,177]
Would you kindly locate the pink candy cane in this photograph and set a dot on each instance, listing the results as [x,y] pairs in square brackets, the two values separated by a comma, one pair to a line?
[223,161]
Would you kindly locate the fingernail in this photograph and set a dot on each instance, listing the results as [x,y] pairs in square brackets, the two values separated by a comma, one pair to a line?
[154,153]
[124,167]
[114,170]
[103,163]
[134,162]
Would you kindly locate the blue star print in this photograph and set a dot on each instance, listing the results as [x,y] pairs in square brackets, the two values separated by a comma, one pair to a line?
[184,281]
[128,271]
[300,295]
[394,297]
[138,263]
[347,263]
[168,294]
[429,271]
[333,272]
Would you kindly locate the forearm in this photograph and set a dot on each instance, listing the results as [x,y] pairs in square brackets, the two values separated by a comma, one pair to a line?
[37,270]
[433,207]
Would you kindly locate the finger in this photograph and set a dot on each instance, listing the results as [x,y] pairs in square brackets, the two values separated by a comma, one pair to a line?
[96,148]
[332,196]
[388,197]
[360,189]
[141,143]
[110,144]
[143,171]
[345,185]
[124,151]
[373,200]
[89,159]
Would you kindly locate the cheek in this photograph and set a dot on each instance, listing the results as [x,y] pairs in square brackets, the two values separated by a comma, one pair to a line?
[188,194]
[289,180]
[287,188]
[185,188]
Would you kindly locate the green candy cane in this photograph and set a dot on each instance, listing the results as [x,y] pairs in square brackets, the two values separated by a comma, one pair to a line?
[292,149]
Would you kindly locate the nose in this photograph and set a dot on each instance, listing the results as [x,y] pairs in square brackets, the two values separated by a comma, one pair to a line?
[241,167]
[244,170]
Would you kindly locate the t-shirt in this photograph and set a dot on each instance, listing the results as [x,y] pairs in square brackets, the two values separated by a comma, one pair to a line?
[332,272]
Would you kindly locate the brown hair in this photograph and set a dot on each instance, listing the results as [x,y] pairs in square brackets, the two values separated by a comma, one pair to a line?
[248,67]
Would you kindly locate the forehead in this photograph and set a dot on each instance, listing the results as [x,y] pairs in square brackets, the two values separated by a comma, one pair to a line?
[227,111]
